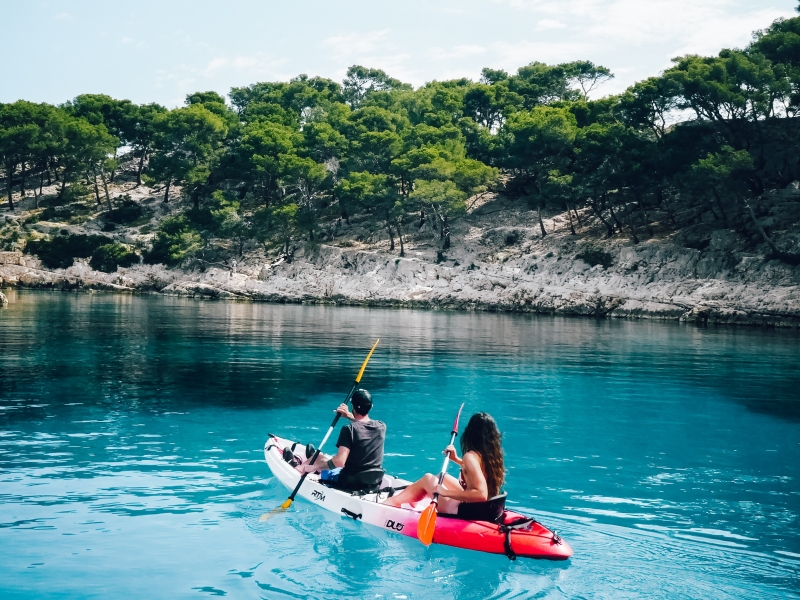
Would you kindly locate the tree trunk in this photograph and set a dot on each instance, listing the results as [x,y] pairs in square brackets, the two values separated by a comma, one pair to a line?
[541,223]
[400,237]
[10,175]
[721,208]
[141,166]
[196,199]
[265,194]
[577,216]
[41,182]
[166,190]
[63,186]
[391,235]
[763,233]
[96,191]
[446,232]
[663,199]
[49,179]
[613,216]
[241,245]
[22,180]
[640,205]
[713,212]
[598,214]
[105,189]
[633,229]
[114,170]
[571,226]
[421,218]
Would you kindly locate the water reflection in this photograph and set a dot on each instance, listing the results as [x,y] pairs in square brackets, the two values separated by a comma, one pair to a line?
[131,432]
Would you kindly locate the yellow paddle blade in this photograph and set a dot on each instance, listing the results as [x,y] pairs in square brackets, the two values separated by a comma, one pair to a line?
[427,524]
[276,511]
[366,360]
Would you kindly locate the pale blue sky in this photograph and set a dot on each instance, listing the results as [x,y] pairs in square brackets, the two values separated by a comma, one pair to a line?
[158,51]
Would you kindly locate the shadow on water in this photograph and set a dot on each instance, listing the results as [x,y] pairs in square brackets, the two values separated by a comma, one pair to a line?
[167,352]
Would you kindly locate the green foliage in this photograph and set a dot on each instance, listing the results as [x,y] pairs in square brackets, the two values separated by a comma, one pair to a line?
[187,144]
[9,236]
[175,241]
[360,82]
[60,252]
[288,158]
[108,257]
[128,212]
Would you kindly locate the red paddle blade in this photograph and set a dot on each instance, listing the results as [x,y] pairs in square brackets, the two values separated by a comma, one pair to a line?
[427,524]
[458,416]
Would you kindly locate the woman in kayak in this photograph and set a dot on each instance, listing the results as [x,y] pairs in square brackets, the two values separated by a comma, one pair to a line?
[482,471]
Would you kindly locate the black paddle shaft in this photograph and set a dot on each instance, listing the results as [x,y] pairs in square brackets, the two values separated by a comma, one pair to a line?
[325,439]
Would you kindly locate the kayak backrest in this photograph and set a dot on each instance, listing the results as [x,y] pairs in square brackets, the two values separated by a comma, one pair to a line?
[491,510]
[368,480]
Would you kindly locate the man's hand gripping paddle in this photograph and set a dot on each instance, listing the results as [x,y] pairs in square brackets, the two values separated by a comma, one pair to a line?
[427,520]
[290,499]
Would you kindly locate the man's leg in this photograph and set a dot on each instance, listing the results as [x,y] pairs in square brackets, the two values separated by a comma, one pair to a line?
[319,464]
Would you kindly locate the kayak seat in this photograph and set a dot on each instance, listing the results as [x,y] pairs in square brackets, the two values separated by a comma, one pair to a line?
[368,480]
[492,510]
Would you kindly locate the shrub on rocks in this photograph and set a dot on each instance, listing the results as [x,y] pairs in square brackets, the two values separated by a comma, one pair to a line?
[129,212]
[61,251]
[108,257]
[176,240]
[595,257]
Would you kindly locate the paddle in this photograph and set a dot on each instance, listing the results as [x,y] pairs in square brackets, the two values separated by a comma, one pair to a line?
[290,499]
[427,520]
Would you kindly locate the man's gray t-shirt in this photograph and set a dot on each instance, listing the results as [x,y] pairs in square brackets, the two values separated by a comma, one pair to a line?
[365,441]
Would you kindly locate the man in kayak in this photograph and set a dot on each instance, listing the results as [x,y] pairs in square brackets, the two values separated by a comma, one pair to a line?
[358,462]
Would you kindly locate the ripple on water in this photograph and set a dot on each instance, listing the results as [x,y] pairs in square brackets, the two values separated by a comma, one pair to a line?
[131,433]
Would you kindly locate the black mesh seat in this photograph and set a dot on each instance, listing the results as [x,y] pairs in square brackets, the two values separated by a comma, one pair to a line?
[492,510]
[368,480]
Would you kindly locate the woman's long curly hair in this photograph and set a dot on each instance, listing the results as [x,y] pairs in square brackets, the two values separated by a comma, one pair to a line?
[482,436]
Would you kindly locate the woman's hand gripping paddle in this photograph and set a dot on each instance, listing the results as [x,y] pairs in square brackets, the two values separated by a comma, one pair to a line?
[427,520]
[290,499]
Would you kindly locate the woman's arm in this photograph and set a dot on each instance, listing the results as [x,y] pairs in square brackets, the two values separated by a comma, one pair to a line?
[453,454]
[476,489]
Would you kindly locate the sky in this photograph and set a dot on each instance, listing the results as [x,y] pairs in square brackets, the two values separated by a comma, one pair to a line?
[159,51]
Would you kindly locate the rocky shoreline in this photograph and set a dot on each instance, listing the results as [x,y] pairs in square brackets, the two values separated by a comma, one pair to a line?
[657,279]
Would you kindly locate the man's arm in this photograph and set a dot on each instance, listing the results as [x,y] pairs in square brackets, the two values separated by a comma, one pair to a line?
[324,461]
[341,457]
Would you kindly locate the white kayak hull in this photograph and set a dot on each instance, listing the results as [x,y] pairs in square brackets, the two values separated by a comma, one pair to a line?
[533,540]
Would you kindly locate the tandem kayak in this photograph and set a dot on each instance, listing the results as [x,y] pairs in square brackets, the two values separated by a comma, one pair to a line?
[513,534]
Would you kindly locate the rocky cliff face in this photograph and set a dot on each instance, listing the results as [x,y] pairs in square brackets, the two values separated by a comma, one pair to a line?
[700,273]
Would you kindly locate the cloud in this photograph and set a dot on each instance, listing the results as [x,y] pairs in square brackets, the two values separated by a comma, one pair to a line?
[457,52]
[356,43]
[550,24]
[257,65]
[63,16]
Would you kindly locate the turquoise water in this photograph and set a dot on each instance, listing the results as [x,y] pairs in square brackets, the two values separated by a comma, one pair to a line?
[132,428]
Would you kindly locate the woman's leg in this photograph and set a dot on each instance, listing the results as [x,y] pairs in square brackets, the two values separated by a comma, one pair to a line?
[448,505]
[414,492]
[421,488]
